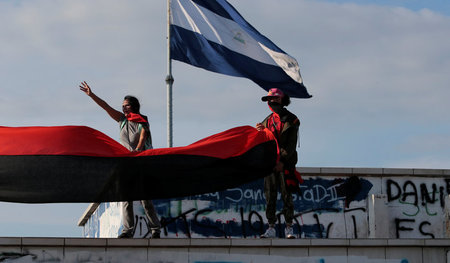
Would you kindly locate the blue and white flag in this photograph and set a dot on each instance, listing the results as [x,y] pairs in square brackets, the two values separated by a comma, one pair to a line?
[212,35]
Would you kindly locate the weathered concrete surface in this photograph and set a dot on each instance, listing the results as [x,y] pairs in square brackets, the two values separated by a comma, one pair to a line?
[181,250]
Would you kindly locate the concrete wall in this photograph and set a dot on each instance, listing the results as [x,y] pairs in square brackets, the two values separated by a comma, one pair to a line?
[334,203]
[23,250]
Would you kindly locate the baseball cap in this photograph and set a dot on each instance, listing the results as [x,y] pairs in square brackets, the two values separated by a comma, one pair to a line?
[274,92]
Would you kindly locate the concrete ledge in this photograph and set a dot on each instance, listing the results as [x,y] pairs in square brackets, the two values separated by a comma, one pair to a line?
[367,171]
[330,242]
[10,241]
[382,172]
[368,242]
[223,250]
[428,172]
[437,242]
[128,242]
[210,242]
[85,242]
[398,171]
[39,241]
[254,242]
[406,242]
[218,242]
[336,170]
[281,242]
[170,242]
[309,170]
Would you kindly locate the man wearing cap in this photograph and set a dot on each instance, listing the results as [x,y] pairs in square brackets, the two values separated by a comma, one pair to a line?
[284,125]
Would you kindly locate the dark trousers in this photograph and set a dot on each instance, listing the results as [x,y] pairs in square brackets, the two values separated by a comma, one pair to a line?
[271,185]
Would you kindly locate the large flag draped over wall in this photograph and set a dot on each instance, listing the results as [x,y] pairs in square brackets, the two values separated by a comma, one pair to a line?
[211,34]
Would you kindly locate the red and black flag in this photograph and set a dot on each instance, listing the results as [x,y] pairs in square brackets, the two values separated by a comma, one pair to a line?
[69,164]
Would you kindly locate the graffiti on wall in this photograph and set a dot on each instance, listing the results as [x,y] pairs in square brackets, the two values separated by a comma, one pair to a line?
[240,212]
[331,207]
[418,206]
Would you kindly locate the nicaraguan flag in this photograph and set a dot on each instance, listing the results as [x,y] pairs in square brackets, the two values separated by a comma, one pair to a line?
[211,34]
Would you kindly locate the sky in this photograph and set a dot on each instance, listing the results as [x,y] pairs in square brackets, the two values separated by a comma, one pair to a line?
[378,71]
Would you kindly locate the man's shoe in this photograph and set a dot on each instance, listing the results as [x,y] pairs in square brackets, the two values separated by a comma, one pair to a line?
[270,233]
[156,235]
[126,235]
[289,232]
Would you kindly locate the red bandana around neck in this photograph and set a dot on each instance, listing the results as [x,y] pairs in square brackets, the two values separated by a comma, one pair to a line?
[135,117]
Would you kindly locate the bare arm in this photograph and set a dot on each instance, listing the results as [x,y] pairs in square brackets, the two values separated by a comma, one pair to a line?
[141,143]
[115,114]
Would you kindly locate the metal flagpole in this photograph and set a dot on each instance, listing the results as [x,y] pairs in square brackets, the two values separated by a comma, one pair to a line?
[169,83]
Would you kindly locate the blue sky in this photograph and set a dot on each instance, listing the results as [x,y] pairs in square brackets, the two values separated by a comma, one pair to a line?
[440,6]
[377,70]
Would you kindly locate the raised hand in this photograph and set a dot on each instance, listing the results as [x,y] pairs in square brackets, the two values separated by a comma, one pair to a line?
[85,88]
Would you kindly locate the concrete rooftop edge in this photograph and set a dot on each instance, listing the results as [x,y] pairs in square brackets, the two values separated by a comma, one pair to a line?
[333,171]
[216,242]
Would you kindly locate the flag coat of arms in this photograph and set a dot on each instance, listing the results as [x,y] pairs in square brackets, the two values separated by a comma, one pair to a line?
[212,35]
